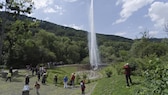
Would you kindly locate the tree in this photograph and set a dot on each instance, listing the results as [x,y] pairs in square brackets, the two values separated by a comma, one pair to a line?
[16,7]
[19,6]
[139,45]
[17,34]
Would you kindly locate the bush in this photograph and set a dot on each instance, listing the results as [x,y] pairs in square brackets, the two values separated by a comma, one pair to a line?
[108,72]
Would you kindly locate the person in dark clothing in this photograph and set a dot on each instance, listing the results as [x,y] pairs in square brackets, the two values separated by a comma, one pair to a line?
[73,79]
[55,79]
[27,80]
[38,75]
[82,84]
[11,70]
[127,74]
[44,78]
[33,70]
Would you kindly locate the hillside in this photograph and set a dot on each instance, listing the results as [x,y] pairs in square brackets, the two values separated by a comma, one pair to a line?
[64,31]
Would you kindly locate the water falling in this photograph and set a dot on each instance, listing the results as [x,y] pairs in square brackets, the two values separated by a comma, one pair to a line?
[93,50]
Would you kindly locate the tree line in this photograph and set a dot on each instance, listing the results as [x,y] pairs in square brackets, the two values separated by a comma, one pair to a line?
[30,41]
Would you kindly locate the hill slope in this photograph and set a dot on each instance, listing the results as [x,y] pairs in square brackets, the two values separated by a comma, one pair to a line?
[64,31]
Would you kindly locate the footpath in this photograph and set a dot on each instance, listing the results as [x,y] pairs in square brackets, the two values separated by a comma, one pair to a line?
[15,87]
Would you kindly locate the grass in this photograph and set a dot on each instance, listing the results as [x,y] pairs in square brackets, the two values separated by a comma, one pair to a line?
[60,72]
[116,85]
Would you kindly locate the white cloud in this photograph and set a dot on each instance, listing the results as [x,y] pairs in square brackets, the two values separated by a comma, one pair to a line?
[129,7]
[120,33]
[59,9]
[140,27]
[42,3]
[48,6]
[30,14]
[118,2]
[56,9]
[49,10]
[47,18]
[75,26]
[153,33]
[158,13]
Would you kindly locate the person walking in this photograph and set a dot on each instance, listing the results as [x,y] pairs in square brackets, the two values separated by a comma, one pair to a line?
[65,80]
[37,87]
[38,75]
[128,74]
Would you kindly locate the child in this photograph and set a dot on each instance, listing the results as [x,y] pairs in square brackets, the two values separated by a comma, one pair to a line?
[37,86]
[27,80]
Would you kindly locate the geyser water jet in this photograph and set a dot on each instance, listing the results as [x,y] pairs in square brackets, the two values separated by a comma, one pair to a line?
[93,48]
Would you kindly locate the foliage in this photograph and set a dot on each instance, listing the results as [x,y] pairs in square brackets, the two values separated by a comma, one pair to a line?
[84,76]
[156,78]
[108,72]
[32,41]
[116,85]
[78,79]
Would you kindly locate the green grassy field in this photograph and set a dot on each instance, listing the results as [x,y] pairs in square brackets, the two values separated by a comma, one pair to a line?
[116,85]
[60,72]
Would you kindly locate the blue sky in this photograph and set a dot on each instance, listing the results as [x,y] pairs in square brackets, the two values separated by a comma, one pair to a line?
[127,18]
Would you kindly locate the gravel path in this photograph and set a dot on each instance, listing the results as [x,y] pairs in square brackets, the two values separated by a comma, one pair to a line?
[15,87]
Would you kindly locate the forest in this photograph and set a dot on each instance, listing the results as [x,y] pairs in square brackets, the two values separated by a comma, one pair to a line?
[25,40]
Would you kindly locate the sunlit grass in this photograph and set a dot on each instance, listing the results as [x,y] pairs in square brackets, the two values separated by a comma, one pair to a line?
[60,72]
[116,84]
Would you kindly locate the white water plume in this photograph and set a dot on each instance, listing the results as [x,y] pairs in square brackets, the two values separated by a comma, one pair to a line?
[93,48]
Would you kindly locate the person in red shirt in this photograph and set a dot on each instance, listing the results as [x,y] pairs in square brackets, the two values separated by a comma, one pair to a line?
[73,79]
[127,73]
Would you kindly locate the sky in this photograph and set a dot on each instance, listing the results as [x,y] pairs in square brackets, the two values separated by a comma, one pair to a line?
[126,18]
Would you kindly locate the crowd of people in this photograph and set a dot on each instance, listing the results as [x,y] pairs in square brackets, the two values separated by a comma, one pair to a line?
[41,74]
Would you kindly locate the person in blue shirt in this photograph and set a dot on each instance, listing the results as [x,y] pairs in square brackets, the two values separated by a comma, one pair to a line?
[65,81]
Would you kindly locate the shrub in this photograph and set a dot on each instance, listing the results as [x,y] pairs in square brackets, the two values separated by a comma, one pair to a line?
[108,72]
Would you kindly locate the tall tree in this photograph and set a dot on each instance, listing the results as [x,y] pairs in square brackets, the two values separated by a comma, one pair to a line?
[16,7]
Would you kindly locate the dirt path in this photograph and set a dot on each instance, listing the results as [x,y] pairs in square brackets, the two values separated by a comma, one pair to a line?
[15,87]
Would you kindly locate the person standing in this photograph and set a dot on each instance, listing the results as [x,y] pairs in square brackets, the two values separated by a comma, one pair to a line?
[38,75]
[44,78]
[73,79]
[11,70]
[127,74]
[55,79]
[37,87]
[65,80]
[82,84]
[27,80]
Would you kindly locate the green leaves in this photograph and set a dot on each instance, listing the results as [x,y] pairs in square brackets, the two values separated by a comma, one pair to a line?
[156,78]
